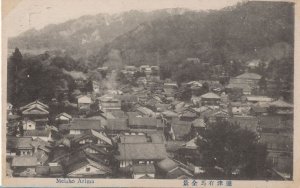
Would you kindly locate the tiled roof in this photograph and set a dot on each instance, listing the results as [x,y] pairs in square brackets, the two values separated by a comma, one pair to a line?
[64,114]
[143,169]
[93,133]
[24,161]
[85,124]
[157,138]
[144,121]
[35,109]
[141,151]
[19,142]
[42,133]
[131,139]
[37,102]
[167,164]
[117,124]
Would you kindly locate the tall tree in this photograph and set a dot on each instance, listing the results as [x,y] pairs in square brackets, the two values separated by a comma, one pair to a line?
[232,149]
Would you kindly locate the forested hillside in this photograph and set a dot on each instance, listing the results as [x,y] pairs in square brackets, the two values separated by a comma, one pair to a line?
[87,34]
[250,30]
[223,40]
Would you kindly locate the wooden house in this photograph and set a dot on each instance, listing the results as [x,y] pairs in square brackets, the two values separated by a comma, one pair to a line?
[84,102]
[210,99]
[37,112]
[63,118]
[143,171]
[24,166]
[135,153]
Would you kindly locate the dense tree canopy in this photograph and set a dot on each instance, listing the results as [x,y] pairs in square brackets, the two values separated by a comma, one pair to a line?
[233,150]
[33,78]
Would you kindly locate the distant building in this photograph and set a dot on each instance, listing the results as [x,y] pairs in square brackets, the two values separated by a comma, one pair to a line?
[63,118]
[37,112]
[252,64]
[210,99]
[239,108]
[143,171]
[81,125]
[109,103]
[130,154]
[247,82]
[24,166]
[84,102]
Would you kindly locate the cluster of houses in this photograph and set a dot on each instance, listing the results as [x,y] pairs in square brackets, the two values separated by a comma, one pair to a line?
[143,131]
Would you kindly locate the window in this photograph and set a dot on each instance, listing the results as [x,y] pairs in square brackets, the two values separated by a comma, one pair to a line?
[88,169]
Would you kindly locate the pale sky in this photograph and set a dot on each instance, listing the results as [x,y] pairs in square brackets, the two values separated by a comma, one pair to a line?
[39,13]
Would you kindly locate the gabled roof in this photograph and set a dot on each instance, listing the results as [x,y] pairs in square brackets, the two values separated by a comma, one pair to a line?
[24,161]
[141,151]
[98,135]
[210,95]
[35,109]
[65,115]
[101,136]
[191,144]
[37,102]
[249,75]
[79,159]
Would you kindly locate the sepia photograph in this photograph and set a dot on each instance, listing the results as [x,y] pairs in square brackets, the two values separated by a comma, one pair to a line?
[200,92]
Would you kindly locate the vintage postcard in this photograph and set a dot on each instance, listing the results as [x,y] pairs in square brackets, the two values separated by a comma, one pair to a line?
[150,93]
